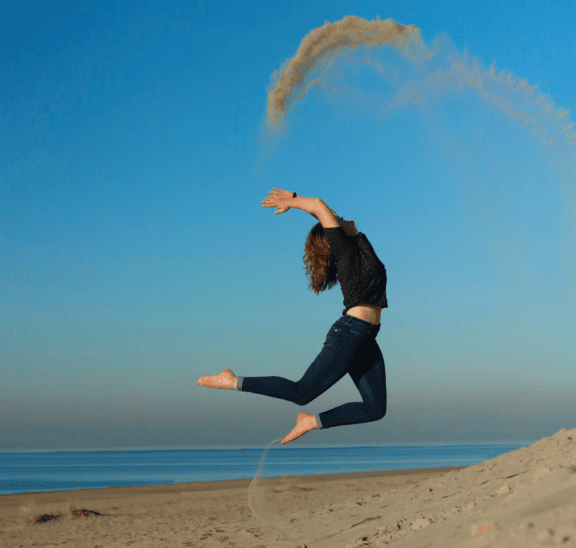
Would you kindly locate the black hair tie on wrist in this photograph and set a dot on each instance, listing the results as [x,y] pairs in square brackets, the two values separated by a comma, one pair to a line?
[294,195]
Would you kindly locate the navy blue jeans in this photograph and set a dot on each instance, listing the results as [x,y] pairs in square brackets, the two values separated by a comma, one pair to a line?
[350,347]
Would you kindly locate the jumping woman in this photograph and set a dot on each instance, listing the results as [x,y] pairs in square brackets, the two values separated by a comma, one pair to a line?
[335,252]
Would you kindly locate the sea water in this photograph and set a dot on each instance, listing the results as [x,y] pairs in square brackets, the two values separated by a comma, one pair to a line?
[27,472]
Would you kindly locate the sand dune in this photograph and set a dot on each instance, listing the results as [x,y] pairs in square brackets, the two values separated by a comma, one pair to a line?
[522,499]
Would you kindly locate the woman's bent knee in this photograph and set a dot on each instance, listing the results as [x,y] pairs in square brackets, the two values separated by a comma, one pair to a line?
[302,401]
[379,415]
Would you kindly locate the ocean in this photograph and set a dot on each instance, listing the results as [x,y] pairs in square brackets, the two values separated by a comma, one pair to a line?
[22,472]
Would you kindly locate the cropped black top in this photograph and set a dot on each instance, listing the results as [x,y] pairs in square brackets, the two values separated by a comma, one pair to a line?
[361,274]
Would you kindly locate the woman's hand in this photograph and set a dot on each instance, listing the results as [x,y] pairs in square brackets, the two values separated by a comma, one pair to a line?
[277,199]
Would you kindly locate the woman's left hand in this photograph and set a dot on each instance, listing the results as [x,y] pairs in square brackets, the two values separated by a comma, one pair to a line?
[277,199]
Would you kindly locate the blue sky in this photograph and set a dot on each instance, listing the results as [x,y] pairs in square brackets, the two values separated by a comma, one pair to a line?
[136,256]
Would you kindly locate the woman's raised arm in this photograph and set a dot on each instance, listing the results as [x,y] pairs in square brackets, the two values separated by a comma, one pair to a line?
[282,199]
[326,216]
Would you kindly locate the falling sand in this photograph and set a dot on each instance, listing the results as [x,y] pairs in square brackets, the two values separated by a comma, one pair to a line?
[349,32]
[524,498]
[515,98]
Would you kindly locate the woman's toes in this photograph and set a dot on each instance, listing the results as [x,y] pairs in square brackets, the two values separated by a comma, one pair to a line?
[223,380]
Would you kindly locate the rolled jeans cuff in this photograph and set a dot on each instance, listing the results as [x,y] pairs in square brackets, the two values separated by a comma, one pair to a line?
[239,385]
[318,422]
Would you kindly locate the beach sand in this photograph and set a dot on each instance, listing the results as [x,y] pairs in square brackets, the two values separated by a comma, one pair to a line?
[521,499]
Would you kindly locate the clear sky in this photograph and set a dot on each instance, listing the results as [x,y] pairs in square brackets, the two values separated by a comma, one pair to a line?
[135,255]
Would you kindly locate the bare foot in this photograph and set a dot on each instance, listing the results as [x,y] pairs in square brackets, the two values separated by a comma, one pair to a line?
[304,423]
[226,380]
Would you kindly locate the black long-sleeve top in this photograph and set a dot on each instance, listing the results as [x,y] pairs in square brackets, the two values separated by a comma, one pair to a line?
[361,274]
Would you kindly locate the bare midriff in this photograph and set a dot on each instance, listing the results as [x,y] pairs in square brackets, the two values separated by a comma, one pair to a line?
[367,313]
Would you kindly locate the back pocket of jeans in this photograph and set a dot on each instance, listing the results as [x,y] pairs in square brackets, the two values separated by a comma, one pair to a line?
[331,337]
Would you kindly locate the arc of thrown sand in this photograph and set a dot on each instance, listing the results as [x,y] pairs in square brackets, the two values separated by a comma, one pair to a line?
[250,492]
[257,475]
[329,37]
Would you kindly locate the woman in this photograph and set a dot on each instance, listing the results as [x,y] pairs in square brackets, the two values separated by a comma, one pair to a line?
[335,252]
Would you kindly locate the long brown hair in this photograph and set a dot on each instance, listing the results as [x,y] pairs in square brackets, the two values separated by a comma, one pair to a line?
[321,270]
